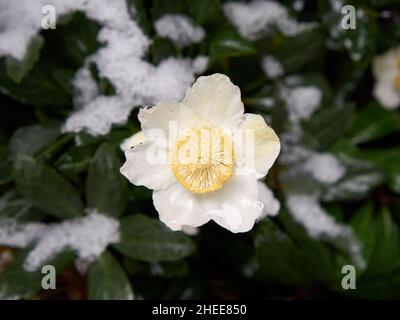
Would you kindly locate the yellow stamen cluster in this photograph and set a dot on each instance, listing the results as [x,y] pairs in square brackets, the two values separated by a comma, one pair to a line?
[203,159]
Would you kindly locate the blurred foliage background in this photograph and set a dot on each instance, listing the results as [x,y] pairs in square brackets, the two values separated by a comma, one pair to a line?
[46,176]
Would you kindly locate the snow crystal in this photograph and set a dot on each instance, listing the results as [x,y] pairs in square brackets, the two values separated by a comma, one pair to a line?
[88,236]
[180,29]
[14,234]
[325,168]
[256,18]
[301,102]
[272,67]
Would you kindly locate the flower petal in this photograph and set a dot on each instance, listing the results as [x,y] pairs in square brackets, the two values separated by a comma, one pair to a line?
[236,206]
[216,99]
[385,66]
[386,93]
[271,204]
[133,140]
[256,145]
[147,165]
[178,207]
[166,116]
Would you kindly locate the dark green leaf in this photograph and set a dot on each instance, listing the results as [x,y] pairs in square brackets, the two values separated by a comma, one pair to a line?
[106,188]
[148,239]
[386,251]
[46,189]
[374,122]
[227,43]
[17,69]
[329,125]
[76,159]
[107,280]
[32,139]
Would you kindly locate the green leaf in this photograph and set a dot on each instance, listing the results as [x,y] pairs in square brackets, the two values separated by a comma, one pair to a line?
[327,126]
[386,252]
[16,283]
[13,205]
[292,53]
[17,69]
[148,239]
[228,43]
[32,139]
[364,227]
[46,189]
[76,159]
[107,280]
[291,257]
[5,166]
[205,12]
[373,122]
[168,269]
[381,280]
[106,188]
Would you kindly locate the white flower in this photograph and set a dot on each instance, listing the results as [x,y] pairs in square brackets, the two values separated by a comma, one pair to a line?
[386,70]
[203,157]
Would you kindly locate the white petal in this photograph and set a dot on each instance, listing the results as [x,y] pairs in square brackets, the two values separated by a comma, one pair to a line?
[256,145]
[216,99]
[236,206]
[386,93]
[271,204]
[178,207]
[164,117]
[147,165]
[385,66]
[135,139]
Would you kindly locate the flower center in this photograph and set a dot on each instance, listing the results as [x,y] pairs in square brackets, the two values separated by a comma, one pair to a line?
[202,159]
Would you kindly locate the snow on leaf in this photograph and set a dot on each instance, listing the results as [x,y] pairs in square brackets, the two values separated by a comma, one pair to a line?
[258,17]
[179,29]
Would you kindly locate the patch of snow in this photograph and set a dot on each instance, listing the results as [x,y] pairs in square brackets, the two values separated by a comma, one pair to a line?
[301,102]
[18,235]
[200,64]
[298,5]
[272,67]
[325,168]
[190,231]
[358,185]
[85,86]
[88,237]
[120,60]
[180,29]
[258,17]
[307,211]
